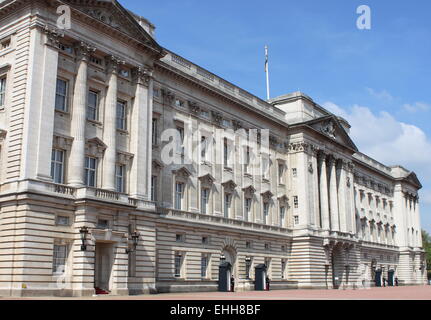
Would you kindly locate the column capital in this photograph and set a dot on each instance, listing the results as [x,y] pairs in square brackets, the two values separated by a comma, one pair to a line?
[332,161]
[53,36]
[84,50]
[113,63]
[142,75]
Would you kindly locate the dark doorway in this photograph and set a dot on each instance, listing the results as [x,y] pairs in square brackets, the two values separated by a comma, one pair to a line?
[391,274]
[378,278]
[225,272]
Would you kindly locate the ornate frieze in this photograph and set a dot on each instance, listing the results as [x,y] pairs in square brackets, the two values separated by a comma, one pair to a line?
[84,50]
[113,63]
[194,107]
[142,75]
[328,128]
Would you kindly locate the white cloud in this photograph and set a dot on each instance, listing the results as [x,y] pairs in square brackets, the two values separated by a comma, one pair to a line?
[381,95]
[418,106]
[388,140]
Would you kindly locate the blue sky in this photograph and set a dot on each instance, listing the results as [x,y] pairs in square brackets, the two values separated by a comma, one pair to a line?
[378,79]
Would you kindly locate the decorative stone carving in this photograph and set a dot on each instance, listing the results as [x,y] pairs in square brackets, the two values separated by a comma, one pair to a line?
[298,147]
[142,75]
[229,186]
[168,95]
[283,199]
[104,16]
[95,147]
[113,63]
[348,183]
[237,125]
[61,142]
[194,107]
[310,167]
[328,128]
[207,179]
[217,117]
[273,141]
[249,190]
[182,173]
[53,36]
[84,50]
[124,157]
[2,134]
[267,196]
[157,166]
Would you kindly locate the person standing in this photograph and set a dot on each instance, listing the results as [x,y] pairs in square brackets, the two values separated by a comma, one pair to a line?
[232,284]
[396,281]
[267,280]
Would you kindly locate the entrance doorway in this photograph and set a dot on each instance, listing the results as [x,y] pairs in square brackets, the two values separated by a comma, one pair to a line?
[391,278]
[103,267]
[378,277]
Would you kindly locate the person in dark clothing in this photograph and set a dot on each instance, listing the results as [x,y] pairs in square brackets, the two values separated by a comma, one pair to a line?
[232,284]
[396,281]
[384,281]
[267,280]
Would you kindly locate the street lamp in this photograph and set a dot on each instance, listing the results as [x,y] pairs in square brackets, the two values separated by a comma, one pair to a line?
[83,232]
[135,239]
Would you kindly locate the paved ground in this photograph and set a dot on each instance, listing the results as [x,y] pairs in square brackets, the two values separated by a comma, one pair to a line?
[388,293]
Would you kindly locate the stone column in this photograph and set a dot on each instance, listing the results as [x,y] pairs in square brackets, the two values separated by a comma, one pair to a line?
[342,201]
[140,140]
[323,185]
[333,195]
[109,124]
[78,122]
[351,199]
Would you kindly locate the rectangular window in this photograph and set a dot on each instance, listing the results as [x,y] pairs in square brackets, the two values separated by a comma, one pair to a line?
[57,166]
[265,212]
[203,148]
[102,224]
[154,129]
[92,106]
[282,215]
[247,208]
[61,95]
[227,199]
[90,170]
[179,237]
[204,200]
[121,115]
[59,259]
[247,160]
[294,172]
[179,191]
[265,167]
[120,173]
[248,244]
[296,202]
[180,143]
[2,91]
[296,220]
[153,188]
[225,153]
[178,265]
[204,266]
[179,103]
[280,173]
[247,267]
[62,221]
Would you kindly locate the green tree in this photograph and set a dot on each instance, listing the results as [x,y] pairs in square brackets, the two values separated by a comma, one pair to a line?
[426,244]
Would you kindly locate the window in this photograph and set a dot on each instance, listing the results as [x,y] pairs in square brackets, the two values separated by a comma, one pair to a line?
[95,60]
[205,114]
[247,160]
[296,219]
[204,266]
[294,172]
[179,191]
[178,265]
[57,166]
[156,92]
[248,244]
[62,221]
[247,208]
[120,172]
[124,73]
[59,259]
[92,106]
[280,173]
[61,95]
[267,246]
[282,215]
[227,199]
[102,224]
[179,103]
[204,200]
[154,136]
[283,269]
[265,212]
[179,237]
[225,153]
[90,171]
[5,43]
[247,267]
[226,123]
[203,148]
[153,188]
[121,115]
[205,240]
[181,142]
[2,91]
[265,167]
[296,202]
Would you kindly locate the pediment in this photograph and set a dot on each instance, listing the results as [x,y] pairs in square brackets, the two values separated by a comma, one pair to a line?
[331,127]
[182,172]
[229,185]
[112,14]
[207,179]
[413,179]
[97,142]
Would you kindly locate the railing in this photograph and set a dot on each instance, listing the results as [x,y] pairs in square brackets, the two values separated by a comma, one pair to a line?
[62,189]
[105,194]
[193,216]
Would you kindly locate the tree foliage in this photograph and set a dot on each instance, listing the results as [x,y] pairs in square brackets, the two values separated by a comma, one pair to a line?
[426,244]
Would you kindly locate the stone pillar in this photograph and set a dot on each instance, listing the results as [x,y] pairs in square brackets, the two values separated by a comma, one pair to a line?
[140,140]
[78,122]
[333,195]
[109,124]
[342,201]
[351,200]
[324,199]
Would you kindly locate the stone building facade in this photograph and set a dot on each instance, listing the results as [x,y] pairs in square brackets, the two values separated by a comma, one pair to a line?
[84,116]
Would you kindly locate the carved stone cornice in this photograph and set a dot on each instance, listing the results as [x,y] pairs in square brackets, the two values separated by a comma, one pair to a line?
[142,75]
[217,117]
[84,50]
[113,63]
[298,147]
[53,36]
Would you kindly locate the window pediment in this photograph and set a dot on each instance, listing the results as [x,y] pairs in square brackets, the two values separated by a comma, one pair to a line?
[229,186]
[95,147]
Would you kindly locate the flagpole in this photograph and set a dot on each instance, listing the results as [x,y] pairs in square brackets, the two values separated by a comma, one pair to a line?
[267,72]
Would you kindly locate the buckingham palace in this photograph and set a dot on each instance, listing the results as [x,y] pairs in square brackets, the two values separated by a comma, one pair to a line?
[127,169]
